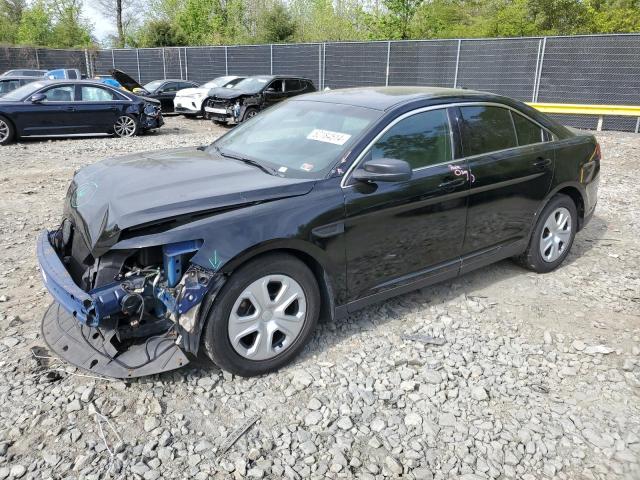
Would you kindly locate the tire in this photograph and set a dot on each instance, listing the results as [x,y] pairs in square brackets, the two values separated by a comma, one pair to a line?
[553,225]
[249,113]
[126,126]
[258,347]
[7,131]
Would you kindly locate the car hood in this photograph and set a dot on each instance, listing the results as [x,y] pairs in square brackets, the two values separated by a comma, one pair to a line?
[125,80]
[232,93]
[148,189]
[192,91]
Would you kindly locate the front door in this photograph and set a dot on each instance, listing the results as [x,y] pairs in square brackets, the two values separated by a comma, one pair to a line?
[56,114]
[511,162]
[274,93]
[399,234]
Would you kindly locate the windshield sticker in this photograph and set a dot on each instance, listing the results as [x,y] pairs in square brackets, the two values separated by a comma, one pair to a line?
[283,169]
[327,136]
[307,167]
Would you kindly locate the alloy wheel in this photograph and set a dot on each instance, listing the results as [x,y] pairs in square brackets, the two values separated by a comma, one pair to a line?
[267,317]
[125,126]
[4,131]
[555,235]
[251,114]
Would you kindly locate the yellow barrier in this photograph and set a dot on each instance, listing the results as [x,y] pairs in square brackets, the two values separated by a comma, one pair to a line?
[599,110]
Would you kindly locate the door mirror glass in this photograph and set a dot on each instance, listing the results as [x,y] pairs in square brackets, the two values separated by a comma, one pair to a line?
[383,170]
[38,98]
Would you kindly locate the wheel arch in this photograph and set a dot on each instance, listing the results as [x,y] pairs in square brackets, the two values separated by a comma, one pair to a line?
[308,254]
[16,134]
[573,191]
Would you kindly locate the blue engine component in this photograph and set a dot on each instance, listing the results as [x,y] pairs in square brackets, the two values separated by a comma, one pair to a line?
[172,259]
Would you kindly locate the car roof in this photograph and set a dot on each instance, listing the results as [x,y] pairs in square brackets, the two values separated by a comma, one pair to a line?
[279,77]
[384,98]
[22,77]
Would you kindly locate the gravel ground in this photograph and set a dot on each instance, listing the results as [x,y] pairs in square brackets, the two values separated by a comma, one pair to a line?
[529,376]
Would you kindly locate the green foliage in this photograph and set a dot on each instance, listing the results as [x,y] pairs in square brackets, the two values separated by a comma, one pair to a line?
[160,33]
[58,23]
[276,25]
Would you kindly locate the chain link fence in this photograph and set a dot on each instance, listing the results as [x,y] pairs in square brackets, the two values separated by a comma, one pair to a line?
[595,69]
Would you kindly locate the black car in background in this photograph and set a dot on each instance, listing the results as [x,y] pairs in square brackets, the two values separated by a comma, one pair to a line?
[162,90]
[318,206]
[253,94]
[8,84]
[66,107]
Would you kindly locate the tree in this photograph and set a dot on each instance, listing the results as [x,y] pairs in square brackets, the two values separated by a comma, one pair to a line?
[70,28]
[125,14]
[276,25]
[35,25]
[161,33]
[10,16]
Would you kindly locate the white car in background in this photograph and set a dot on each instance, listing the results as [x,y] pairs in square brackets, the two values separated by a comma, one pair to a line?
[190,101]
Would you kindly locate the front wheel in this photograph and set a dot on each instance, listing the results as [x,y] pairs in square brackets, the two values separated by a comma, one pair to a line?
[126,126]
[249,113]
[7,132]
[263,316]
[552,236]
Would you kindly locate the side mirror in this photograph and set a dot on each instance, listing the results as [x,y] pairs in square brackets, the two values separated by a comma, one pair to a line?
[383,170]
[38,98]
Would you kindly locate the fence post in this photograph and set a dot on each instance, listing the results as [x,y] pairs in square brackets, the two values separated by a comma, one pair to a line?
[455,77]
[138,62]
[37,59]
[186,64]
[226,60]
[271,53]
[113,59]
[324,64]
[535,74]
[386,81]
[638,125]
[180,60]
[164,65]
[88,65]
[544,48]
[320,66]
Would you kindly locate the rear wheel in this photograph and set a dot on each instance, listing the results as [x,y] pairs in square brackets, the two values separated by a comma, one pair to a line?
[552,236]
[263,316]
[126,126]
[7,132]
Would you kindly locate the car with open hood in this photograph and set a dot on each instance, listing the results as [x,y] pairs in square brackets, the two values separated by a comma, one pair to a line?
[252,95]
[71,107]
[163,90]
[191,101]
[315,208]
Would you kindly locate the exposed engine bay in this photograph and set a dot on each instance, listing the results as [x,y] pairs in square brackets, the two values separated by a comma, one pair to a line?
[139,308]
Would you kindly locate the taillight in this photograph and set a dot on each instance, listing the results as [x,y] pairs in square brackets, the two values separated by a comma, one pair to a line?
[597,154]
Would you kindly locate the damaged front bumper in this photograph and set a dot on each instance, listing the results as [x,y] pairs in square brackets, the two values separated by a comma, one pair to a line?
[85,328]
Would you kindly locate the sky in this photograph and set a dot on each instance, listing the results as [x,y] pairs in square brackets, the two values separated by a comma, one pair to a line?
[101,26]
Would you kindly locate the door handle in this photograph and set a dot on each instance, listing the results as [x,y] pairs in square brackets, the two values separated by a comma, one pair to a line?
[542,163]
[70,109]
[451,185]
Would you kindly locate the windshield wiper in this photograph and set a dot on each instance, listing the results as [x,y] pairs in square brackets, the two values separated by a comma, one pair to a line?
[248,161]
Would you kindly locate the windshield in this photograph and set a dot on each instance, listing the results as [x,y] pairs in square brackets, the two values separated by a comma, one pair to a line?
[252,84]
[151,86]
[23,92]
[301,139]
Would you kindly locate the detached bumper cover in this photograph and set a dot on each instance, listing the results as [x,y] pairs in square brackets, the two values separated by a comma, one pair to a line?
[91,348]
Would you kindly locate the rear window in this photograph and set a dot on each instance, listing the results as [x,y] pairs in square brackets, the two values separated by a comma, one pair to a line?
[486,129]
[527,131]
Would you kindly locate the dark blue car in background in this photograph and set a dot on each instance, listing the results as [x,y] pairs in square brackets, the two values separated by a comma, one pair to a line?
[66,107]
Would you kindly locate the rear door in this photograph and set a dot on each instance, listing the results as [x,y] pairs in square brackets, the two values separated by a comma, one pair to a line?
[98,108]
[293,87]
[511,164]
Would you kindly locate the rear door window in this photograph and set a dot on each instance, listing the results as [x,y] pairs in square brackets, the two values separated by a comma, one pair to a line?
[527,131]
[170,87]
[486,129]
[292,85]
[96,94]
[422,140]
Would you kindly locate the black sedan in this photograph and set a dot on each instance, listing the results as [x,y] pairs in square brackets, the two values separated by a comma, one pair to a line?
[66,107]
[162,90]
[316,207]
